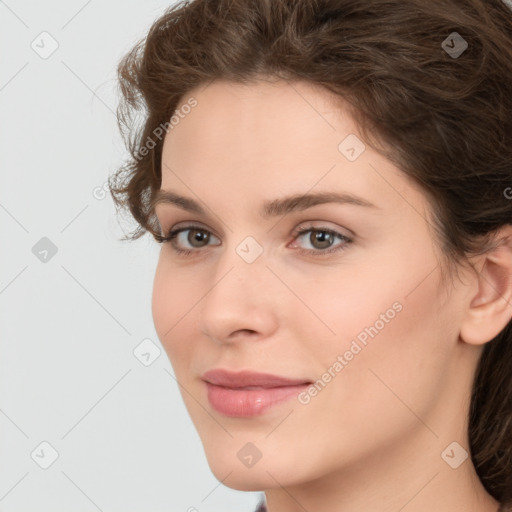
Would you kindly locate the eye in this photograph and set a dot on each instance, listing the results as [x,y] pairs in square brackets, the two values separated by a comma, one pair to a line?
[191,238]
[321,240]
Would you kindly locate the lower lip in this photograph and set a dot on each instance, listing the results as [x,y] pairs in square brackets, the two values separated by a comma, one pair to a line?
[244,403]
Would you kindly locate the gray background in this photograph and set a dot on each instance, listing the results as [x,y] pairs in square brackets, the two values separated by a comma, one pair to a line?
[70,321]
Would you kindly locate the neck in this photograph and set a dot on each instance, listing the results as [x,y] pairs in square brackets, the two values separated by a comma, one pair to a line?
[410,477]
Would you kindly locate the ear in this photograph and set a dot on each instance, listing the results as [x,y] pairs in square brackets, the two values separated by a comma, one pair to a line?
[490,308]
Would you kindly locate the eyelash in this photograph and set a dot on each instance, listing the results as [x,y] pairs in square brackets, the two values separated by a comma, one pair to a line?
[320,253]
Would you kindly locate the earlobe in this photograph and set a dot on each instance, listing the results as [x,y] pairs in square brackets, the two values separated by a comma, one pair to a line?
[490,308]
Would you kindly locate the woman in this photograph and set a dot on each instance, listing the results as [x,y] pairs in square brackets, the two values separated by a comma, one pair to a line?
[332,184]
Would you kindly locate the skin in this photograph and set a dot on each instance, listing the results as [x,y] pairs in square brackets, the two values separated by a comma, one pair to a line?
[372,438]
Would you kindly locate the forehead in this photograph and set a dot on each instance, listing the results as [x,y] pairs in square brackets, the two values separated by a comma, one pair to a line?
[256,139]
[258,119]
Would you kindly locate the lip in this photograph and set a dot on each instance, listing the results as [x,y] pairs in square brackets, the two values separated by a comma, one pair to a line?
[246,378]
[247,393]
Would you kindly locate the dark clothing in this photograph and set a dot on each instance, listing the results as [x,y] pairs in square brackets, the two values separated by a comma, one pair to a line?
[262,507]
[503,507]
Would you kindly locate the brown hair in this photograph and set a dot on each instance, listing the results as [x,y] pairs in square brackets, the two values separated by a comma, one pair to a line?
[444,119]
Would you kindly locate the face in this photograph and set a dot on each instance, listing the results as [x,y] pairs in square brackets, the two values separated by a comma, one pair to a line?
[339,295]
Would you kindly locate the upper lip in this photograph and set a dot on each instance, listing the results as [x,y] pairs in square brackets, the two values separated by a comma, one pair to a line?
[246,378]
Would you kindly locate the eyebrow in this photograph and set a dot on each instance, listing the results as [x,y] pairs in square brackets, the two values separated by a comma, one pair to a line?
[272,208]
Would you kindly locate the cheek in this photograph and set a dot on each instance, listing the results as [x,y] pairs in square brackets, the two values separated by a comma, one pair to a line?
[387,389]
[394,341]
[173,297]
[385,318]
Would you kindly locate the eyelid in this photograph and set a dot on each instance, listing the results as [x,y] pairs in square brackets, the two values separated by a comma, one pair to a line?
[300,228]
[322,225]
[184,225]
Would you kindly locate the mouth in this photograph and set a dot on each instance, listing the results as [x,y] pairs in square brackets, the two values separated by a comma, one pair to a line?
[246,394]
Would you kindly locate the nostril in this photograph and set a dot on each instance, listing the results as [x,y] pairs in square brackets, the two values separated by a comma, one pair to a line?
[242,333]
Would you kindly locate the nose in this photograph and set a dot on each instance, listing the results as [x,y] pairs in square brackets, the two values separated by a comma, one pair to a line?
[240,303]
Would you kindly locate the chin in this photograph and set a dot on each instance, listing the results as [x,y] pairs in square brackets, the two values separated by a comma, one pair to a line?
[227,464]
[243,479]
[271,470]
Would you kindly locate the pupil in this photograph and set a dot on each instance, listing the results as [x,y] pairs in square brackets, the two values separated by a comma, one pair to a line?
[321,237]
[195,237]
